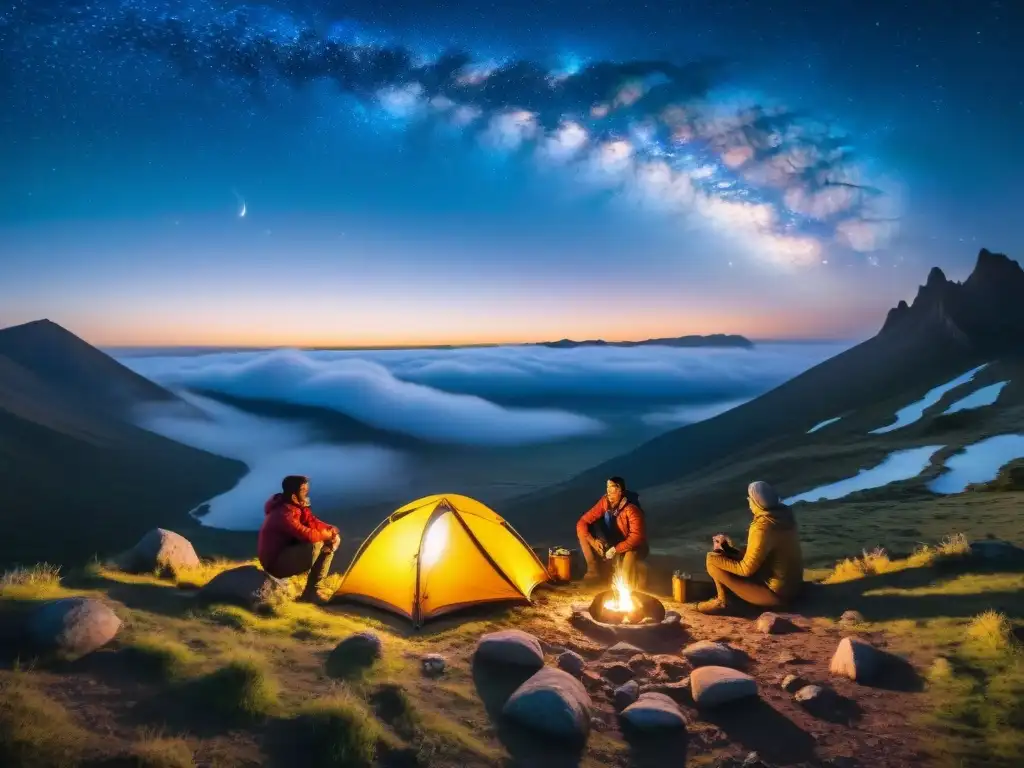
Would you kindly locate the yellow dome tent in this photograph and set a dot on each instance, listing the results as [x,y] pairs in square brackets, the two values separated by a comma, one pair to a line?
[439,554]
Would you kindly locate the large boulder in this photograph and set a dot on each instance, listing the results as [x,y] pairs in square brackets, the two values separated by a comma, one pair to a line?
[713,686]
[996,550]
[248,586]
[72,627]
[159,551]
[512,647]
[707,653]
[552,702]
[654,711]
[857,659]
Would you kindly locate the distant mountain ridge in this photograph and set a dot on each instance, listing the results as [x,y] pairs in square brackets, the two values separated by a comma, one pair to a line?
[713,340]
[948,329]
[81,476]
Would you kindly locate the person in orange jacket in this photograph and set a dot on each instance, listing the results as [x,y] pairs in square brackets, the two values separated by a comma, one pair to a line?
[614,527]
[292,540]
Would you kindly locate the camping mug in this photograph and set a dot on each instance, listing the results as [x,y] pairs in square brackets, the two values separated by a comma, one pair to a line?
[559,566]
[680,587]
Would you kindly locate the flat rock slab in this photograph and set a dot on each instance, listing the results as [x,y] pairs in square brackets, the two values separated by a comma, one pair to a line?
[571,662]
[512,647]
[654,711]
[72,627]
[616,672]
[247,586]
[159,551]
[858,660]
[621,651]
[714,686]
[551,702]
[707,653]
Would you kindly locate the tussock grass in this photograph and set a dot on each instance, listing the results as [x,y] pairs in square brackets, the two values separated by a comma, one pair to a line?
[978,696]
[161,657]
[35,730]
[36,582]
[340,731]
[877,561]
[394,706]
[243,689]
[156,751]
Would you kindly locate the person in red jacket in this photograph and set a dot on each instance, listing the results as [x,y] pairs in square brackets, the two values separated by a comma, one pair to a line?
[293,540]
[614,527]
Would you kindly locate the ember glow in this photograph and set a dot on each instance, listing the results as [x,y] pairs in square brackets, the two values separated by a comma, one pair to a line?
[623,600]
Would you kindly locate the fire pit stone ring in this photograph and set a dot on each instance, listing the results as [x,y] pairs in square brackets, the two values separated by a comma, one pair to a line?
[647,617]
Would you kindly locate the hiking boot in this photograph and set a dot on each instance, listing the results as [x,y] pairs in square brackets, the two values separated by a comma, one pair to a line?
[713,607]
[311,597]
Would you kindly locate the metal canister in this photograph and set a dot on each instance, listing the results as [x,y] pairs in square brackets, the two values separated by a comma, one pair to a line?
[681,589]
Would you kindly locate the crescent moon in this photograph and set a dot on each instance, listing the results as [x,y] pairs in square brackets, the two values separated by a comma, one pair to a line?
[241,213]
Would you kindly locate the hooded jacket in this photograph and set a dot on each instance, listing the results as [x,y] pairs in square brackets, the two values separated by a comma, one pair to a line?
[284,524]
[628,518]
[773,555]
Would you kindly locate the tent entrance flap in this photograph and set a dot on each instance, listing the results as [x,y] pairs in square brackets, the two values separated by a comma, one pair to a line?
[439,554]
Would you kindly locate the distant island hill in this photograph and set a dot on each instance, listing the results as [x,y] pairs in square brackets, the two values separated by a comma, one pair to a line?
[714,340]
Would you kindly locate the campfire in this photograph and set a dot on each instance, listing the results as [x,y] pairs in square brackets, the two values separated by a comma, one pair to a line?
[624,605]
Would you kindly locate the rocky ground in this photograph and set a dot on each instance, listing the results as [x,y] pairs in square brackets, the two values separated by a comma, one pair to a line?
[216,666]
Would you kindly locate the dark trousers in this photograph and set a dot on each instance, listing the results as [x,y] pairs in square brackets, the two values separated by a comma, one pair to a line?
[303,557]
[628,562]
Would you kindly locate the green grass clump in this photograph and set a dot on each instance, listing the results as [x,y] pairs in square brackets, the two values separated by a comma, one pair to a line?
[868,564]
[339,732]
[244,688]
[163,658]
[35,730]
[37,582]
[978,697]
[393,705]
[160,752]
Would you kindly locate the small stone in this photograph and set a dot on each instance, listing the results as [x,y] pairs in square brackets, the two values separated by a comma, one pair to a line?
[753,760]
[622,650]
[792,683]
[552,702]
[856,659]
[707,653]
[809,694]
[625,694]
[617,673]
[593,682]
[672,618]
[571,662]
[73,626]
[511,646]
[712,686]
[433,664]
[786,657]
[851,617]
[672,667]
[773,624]
[654,711]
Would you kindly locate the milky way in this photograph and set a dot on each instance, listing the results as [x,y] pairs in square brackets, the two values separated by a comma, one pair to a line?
[660,133]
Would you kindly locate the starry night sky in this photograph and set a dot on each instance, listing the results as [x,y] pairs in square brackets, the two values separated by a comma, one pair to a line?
[515,170]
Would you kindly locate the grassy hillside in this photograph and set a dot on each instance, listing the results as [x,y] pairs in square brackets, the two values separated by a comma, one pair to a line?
[79,476]
[222,687]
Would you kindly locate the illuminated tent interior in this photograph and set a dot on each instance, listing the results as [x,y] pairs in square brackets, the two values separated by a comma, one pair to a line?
[440,554]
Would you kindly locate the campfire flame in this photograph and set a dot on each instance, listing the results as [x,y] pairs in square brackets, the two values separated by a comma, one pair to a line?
[623,600]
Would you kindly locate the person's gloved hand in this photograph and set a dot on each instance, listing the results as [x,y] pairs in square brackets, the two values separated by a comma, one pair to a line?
[609,553]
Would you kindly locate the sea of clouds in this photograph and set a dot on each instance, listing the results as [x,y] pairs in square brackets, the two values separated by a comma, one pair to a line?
[491,396]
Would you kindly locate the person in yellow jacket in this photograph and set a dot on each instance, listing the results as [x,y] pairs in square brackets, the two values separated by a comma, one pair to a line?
[770,572]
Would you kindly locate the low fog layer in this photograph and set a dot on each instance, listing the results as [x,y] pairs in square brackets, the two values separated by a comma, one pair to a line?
[273,448]
[462,395]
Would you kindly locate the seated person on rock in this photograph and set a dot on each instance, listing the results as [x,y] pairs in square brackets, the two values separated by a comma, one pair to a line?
[293,540]
[614,526]
[770,572]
